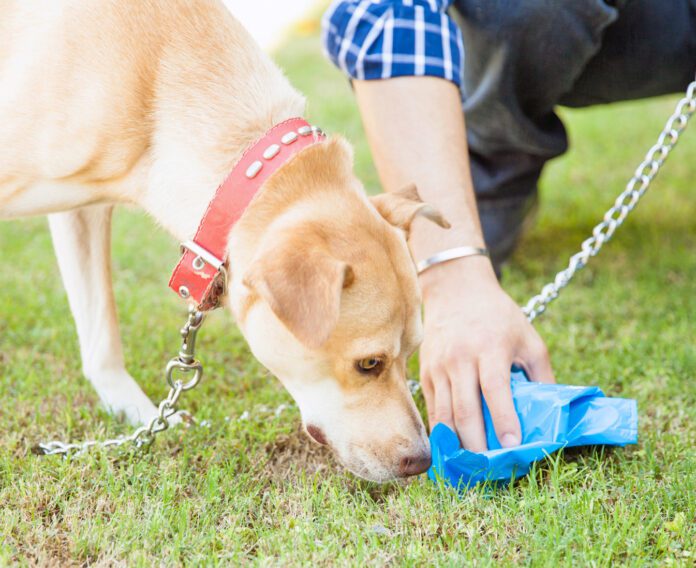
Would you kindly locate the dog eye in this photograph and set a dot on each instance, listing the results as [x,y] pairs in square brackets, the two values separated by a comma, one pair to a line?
[369,366]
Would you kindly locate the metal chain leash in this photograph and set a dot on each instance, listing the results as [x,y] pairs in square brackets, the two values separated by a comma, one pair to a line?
[142,438]
[624,204]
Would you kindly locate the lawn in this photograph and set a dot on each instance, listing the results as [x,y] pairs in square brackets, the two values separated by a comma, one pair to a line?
[246,486]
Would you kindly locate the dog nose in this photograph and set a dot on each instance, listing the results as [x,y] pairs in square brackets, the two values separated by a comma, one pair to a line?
[413,465]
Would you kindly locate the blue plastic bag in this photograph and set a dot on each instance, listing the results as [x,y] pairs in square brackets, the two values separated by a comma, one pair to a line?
[551,417]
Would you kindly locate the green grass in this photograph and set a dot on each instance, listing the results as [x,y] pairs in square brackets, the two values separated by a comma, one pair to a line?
[256,491]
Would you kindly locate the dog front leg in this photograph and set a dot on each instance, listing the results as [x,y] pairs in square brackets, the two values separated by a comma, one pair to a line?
[82,241]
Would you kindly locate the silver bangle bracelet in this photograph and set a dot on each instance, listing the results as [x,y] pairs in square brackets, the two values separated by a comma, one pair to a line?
[450,254]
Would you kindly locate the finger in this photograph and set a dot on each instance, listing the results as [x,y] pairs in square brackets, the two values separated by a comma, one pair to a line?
[466,405]
[537,361]
[443,399]
[494,374]
[429,396]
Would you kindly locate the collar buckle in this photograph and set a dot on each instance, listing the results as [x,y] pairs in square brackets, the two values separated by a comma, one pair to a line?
[203,256]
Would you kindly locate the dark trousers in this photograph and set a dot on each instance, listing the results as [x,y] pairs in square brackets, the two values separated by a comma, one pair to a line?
[525,57]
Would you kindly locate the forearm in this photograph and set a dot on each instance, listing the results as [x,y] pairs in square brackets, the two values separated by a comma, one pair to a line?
[415,127]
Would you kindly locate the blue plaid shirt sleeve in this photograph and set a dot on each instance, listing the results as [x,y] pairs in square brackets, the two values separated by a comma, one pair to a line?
[378,39]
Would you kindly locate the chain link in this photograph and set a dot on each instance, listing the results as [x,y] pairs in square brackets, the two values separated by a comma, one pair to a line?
[142,438]
[624,204]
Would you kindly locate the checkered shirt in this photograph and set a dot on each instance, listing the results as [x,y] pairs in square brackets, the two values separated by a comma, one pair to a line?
[378,39]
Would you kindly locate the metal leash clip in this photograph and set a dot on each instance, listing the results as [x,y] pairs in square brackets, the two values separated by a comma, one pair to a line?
[186,362]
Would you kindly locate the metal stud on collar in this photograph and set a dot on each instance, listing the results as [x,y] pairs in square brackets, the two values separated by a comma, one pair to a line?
[289,137]
[271,152]
[254,169]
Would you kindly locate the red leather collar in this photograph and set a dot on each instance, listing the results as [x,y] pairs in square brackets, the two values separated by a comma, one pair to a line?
[201,273]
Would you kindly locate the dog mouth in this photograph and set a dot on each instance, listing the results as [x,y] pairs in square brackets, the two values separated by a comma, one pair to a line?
[366,465]
[360,469]
[317,434]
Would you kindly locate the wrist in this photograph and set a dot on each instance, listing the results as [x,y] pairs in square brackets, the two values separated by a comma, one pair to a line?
[447,278]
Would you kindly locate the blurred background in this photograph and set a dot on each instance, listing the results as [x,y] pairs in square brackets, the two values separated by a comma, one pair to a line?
[270,20]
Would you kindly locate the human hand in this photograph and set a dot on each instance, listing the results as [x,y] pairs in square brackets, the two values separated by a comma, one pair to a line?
[473,334]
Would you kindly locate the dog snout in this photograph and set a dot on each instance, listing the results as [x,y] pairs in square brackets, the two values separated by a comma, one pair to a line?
[414,464]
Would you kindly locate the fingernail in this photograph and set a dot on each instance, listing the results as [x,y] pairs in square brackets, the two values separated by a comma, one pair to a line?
[509,440]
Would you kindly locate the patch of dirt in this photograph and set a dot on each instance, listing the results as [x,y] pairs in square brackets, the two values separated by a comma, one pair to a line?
[34,549]
[290,452]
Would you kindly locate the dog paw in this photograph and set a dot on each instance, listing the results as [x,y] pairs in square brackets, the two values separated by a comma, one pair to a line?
[137,409]
[121,396]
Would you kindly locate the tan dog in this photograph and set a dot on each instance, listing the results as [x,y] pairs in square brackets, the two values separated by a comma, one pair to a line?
[151,103]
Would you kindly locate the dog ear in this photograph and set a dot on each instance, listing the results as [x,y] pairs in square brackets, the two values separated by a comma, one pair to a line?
[401,207]
[302,283]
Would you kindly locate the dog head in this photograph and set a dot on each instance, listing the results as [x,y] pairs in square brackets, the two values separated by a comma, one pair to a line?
[330,304]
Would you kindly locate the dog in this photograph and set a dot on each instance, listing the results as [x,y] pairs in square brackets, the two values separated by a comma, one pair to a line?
[150,104]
